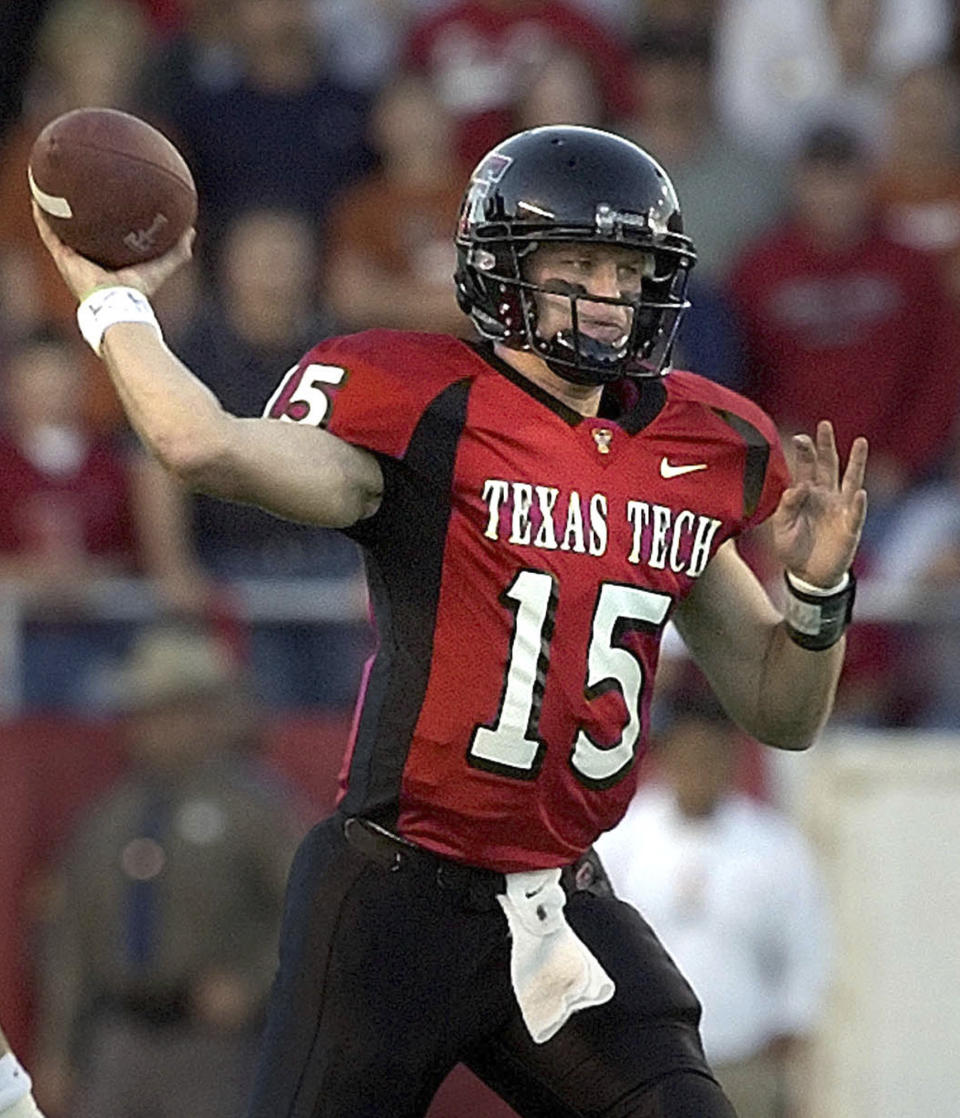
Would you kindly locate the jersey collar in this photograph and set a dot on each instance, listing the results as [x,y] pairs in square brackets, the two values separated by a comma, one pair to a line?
[630,403]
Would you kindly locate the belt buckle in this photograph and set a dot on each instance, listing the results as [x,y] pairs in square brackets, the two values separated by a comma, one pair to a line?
[371,841]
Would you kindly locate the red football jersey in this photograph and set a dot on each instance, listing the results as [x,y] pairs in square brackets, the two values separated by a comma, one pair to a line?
[522,566]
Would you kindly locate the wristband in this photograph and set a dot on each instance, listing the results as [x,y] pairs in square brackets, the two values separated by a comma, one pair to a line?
[816,618]
[106,307]
[15,1084]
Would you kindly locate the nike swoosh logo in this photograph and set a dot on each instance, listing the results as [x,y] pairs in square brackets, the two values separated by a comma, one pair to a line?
[668,470]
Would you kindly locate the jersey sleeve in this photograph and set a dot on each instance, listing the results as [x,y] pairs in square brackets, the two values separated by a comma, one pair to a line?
[765,473]
[371,390]
[356,387]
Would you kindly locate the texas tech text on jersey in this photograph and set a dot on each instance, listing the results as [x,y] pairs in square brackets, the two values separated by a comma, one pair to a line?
[540,516]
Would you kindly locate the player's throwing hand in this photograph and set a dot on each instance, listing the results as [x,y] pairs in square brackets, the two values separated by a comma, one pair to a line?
[83,276]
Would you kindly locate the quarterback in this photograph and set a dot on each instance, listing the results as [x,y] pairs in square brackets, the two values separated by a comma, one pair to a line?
[534,507]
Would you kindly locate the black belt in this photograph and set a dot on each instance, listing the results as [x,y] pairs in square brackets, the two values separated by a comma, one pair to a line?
[475,886]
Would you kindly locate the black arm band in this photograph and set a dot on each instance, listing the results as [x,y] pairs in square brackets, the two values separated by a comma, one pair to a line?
[817,621]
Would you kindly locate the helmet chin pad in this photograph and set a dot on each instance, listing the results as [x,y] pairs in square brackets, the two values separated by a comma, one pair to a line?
[580,359]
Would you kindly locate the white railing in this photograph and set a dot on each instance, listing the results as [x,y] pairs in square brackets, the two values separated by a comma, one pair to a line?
[306,600]
[134,601]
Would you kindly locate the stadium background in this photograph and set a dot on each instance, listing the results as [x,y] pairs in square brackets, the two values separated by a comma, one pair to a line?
[331,139]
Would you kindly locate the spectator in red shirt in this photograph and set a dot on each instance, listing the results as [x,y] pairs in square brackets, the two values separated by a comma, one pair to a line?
[842,321]
[480,55]
[66,518]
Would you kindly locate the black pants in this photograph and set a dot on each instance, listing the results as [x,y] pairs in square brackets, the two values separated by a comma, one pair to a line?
[389,976]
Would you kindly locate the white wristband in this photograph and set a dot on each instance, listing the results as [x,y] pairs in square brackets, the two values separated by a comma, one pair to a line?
[107,306]
[15,1084]
[819,591]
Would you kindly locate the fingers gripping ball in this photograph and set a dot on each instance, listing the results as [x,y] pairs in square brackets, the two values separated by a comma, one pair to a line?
[111,186]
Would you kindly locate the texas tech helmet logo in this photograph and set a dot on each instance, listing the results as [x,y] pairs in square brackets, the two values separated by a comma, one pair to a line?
[487,174]
[491,170]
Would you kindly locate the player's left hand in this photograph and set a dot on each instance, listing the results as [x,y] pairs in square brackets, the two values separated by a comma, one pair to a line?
[818,523]
[83,276]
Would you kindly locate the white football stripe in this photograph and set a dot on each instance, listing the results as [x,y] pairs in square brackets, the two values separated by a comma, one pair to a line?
[49,203]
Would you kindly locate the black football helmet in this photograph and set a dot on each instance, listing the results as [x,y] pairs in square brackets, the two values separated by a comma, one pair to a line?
[571,183]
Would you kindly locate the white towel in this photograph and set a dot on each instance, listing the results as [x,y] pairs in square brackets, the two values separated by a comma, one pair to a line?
[554,973]
[15,1084]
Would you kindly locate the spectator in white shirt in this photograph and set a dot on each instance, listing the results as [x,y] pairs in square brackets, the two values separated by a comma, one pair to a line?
[782,66]
[730,886]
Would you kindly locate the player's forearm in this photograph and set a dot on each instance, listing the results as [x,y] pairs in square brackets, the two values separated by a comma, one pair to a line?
[796,691]
[176,416]
[303,474]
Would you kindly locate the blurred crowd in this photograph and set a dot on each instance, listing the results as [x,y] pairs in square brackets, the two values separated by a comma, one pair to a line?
[815,146]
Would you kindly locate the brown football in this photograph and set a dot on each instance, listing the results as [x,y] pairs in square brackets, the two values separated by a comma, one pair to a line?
[111,186]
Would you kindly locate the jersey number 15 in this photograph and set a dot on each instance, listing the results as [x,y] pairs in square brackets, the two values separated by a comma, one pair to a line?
[512,745]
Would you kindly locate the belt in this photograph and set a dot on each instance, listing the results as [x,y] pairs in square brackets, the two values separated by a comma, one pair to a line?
[477,888]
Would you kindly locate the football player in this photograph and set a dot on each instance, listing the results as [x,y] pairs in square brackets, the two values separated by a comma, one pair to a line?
[534,508]
[16,1097]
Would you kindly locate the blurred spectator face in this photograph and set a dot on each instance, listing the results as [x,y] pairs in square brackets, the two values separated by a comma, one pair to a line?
[178,689]
[832,200]
[21,305]
[672,87]
[832,187]
[284,26]
[44,385]
[269,274]
[171,736]
[925,112]
[204,15]
[409,123]
[853,23]
[698,758]
[563,92]
[682,15]
[92,50]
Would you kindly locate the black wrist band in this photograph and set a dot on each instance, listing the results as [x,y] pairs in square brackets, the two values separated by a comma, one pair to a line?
[817,621]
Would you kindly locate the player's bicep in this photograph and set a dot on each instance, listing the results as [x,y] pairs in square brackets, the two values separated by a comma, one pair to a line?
[727,623]
[300,473]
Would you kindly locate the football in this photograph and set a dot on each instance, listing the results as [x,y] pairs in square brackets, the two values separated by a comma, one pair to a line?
[111,186]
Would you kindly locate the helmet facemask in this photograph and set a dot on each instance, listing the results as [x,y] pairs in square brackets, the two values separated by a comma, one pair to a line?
[650,327]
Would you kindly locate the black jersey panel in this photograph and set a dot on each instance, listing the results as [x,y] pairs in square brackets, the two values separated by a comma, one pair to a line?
[404,557]
[755,464]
